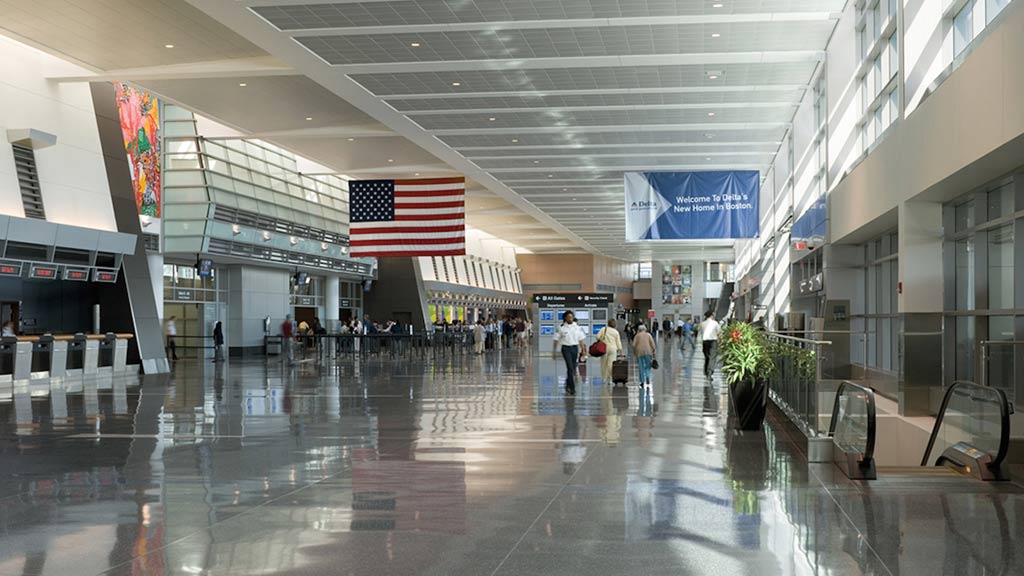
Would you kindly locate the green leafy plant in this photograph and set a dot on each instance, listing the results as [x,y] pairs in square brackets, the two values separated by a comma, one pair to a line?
[745,353]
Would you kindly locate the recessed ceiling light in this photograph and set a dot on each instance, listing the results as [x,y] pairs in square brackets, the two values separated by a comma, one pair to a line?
[492,118]
[391,159]
[536,161]
[711,113]
[417,173]
[242,84]
[456,83]
[308,118]
[716,5]
[716,35]
[168,45]
[415,44]
[712,77]
[551,175]
[515,140]
[351,139]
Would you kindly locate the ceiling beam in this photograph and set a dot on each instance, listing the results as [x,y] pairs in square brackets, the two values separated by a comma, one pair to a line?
[627,61]
[629,168]
[319,132]
[615,108]
[568,130]
[684,20]
[600,91]
[626,155]
[263,66]
[774,143]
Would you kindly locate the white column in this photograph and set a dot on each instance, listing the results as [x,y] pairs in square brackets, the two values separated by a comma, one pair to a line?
[156,276]
[332,295]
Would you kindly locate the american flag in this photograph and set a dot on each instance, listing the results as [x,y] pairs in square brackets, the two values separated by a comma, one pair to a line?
[407,217]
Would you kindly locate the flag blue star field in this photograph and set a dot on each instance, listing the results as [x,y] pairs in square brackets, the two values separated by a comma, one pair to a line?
[692,205]
[407,217]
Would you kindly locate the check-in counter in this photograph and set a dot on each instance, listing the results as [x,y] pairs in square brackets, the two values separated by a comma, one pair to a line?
[8,348]
[63,355]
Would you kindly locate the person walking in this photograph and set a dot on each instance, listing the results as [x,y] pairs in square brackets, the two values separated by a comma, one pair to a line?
[644,348]
[613,346]
[688,336]
[570,337]
[287,339]
[709,330]
[479,337]
[218,342]
[171,331]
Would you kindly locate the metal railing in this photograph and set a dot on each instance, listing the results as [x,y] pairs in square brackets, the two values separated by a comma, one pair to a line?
[384,344]
[984,355]
[794,386]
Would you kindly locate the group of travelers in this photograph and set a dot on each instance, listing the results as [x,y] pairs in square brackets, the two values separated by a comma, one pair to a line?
[570,343]
[506,332]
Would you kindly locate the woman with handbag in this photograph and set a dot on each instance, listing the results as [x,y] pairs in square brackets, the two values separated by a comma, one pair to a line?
[613,347]
[644,347]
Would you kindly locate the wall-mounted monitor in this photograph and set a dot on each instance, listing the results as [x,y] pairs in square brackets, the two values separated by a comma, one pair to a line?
[596,328]
[76,274]
[204,268]
[582,314]
[42,272]
[545,315]
[10,269]
[547,330]
[109,276]
[561,313]
[599,314]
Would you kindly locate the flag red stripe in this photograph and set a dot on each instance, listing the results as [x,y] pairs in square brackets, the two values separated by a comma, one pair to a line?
[408,230]
[430,181]
[427,205]
[410,253]
[429,193]
[409,241]
[426,217]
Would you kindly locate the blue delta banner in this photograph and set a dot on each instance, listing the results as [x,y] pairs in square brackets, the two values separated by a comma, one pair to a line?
[692,205]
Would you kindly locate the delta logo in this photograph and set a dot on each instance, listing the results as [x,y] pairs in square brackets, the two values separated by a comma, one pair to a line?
[642,206]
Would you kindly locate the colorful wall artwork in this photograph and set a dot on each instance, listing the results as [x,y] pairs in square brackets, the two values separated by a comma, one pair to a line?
[140,127]
[677,284]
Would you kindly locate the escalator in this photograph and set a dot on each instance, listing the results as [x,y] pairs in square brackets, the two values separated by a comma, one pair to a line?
[971,435]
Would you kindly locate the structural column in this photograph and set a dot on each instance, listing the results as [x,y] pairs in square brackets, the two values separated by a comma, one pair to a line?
[921,284]
[332,297]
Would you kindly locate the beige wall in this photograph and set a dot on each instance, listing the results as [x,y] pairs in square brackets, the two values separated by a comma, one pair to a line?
[576,273]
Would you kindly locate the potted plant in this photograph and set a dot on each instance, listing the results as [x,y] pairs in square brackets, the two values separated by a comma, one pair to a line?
[747,363]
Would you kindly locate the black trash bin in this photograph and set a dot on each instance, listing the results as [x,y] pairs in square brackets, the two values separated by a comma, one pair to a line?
[42,353]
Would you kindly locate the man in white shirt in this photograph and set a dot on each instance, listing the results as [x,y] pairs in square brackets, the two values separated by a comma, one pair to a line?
[709,330]
[171,330]
[571,338]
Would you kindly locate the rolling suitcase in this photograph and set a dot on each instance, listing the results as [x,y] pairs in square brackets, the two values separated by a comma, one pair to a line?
[620,371]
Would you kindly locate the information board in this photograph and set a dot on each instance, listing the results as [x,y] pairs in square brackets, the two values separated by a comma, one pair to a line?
[573,300]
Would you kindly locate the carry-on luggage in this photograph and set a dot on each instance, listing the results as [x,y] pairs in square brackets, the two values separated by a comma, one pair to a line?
[620,371]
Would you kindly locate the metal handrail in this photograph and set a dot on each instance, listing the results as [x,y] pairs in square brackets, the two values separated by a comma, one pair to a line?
[1004,417]
[869,448]
[801,340]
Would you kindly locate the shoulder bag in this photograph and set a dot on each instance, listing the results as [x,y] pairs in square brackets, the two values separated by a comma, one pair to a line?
[599,348]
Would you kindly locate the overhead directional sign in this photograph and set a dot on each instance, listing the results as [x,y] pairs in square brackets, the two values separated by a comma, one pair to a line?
[692,205]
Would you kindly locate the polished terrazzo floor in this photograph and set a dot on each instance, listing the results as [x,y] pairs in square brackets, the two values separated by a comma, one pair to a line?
[449,465]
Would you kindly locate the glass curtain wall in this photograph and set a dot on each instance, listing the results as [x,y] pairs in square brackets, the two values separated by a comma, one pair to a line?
[984,323]
[881,323]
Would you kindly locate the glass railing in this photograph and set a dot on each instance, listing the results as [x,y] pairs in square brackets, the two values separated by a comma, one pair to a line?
[972,430]
[852,430]
[794,386]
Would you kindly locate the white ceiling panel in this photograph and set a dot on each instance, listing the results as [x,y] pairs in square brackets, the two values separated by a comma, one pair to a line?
[547,103]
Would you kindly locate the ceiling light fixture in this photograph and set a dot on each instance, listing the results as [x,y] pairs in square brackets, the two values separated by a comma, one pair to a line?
[242,84]
[536,161]
[456,83]
[308,118]
[415,44]
[711,113]
[168,45]
[712,77]
[515,140]
[716,35]
[492,118]
[717,5]
[351,139]
[391,160]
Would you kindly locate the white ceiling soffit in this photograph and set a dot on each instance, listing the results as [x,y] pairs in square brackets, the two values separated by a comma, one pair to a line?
[547,103]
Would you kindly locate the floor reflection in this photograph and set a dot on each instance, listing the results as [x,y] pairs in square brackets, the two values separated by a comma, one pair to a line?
[452,465]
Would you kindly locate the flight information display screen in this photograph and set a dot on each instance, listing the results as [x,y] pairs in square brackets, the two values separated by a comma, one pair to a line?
[105,276]
[43,272]
[76,274]
[7,269]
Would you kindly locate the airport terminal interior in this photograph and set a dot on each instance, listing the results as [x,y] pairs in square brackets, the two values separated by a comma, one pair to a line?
[511,287]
